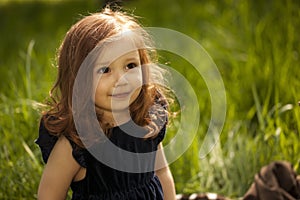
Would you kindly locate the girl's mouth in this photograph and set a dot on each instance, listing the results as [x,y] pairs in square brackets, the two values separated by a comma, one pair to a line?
[121,95]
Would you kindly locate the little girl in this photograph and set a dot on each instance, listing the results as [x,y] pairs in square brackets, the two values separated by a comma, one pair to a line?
[127,107]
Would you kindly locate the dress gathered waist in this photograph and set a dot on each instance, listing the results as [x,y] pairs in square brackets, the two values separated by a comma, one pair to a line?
[148,189]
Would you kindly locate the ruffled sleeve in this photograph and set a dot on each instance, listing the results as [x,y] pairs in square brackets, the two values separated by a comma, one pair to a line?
[161,135]
[159,114]
[46,142]
[78,154]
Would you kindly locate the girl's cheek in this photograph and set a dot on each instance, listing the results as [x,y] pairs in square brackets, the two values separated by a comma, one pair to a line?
[135,74]
[136,81]
[99,81]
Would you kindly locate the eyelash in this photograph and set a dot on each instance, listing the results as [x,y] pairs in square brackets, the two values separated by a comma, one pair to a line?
[130,64]
[104,70]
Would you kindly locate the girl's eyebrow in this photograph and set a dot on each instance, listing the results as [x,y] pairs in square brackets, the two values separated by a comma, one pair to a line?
[101,64]
[106,63]
[133,58]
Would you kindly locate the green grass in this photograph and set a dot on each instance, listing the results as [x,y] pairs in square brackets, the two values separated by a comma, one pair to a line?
[255,45]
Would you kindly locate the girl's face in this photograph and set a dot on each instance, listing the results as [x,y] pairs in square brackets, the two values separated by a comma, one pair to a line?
[119,75]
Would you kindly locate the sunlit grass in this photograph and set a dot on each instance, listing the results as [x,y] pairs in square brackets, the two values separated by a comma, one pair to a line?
[4,2]
[256,48]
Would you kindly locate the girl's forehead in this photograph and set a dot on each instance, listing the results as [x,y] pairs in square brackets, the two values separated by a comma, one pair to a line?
[118,45]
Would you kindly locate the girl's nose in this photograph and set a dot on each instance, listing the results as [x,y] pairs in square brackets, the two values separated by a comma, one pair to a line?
[120,78]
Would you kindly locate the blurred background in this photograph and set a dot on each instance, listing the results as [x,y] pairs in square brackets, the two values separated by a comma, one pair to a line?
[255,44]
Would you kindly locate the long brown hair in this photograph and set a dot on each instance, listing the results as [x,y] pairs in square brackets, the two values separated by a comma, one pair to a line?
[79,41]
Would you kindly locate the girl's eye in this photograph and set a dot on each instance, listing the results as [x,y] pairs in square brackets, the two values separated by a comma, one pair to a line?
[103,70]
[131,65]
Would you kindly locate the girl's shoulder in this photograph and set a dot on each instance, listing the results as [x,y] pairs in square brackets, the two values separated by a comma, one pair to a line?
[46,141]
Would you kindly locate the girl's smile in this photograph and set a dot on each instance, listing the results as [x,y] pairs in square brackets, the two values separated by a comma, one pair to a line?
[121,95]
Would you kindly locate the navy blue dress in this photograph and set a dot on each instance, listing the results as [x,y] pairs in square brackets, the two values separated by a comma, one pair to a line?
[103,182]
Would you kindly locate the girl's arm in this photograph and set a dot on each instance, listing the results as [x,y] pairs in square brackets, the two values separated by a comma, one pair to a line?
[59,172]
[165,176]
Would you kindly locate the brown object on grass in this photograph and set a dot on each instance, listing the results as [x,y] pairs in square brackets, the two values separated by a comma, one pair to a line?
[276,181]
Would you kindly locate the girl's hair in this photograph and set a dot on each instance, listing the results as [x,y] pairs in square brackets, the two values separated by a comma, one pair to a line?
[79,41]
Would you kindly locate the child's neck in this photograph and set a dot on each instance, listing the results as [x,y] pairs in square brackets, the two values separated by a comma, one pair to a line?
[115,118]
